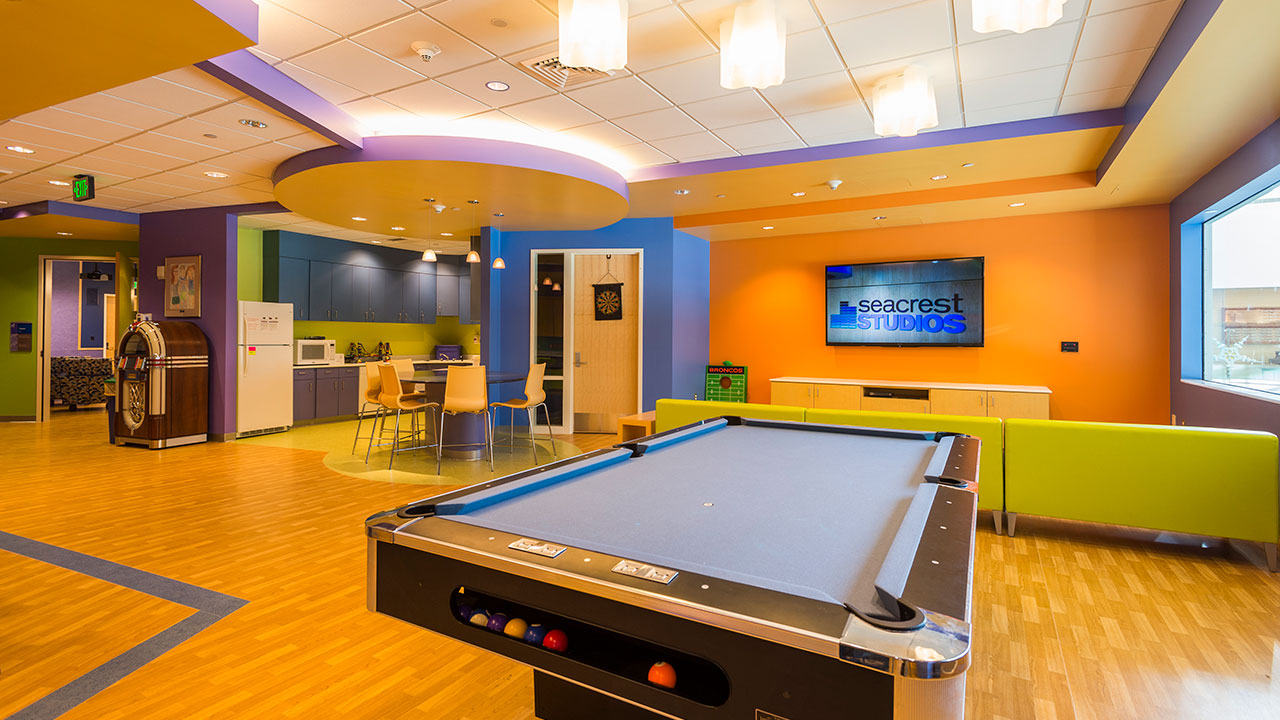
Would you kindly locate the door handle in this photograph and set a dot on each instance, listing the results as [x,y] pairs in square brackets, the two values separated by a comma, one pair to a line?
[577,359]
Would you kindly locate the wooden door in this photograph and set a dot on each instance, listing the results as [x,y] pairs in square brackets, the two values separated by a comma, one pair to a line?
[837,396]
[109,326]
[605,361]
[1030,406]
[958,402]
[791,393]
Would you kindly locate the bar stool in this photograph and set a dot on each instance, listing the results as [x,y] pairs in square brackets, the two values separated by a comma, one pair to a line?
[535,396]
[394,397]
[466,390]
[372,391]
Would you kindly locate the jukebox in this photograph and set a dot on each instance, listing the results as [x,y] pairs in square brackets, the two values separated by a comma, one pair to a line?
[162,383]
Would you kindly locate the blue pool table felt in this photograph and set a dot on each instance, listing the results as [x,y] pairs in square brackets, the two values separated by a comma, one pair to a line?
[803,512]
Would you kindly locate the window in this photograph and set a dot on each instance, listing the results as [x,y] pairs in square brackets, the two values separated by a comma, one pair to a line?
[1242,295]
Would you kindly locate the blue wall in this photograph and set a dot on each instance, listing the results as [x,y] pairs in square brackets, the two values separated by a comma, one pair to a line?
[676,299]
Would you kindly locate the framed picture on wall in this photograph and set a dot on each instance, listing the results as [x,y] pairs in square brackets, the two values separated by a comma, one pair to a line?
[182,286]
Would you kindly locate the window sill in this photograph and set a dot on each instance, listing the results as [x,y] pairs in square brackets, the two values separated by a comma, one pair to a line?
[1272,398]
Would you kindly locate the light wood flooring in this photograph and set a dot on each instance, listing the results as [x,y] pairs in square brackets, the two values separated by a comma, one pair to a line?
[1070,620]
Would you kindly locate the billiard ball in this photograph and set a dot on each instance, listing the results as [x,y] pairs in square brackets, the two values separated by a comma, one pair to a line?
[464,612]
[535,634]
[497,622]
[556,640]
[515,628]
[662,674]
[480,618]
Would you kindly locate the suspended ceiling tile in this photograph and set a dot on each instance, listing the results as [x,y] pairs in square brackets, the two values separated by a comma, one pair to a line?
[35,137]
[552,113]
[1106,72]
[834,11]
[274,153]
[56,119]
[381,116]
[197,172]
[604,133]
[848,121]
[689,81]
[228,118]
[1071,12]
[812,94]
[527,23]
[1011,113]
[688,147]
[839,138]
[13,164]
[135,156]
[234,196]
[151,185]
[1013,52]
[430,99]
[194,79]
[471,82]
[264,57]
[306,141]
[639,154]
[901,32]
[43,155]
[284,34]
[940,67]
[1042,84]
[664,37]
[122,112]
[756,134]
[131,195]
[1097,100]
[810,53]
[331,90]
[617,98]
[659,124]
[167,96]
[708,14]
[173,147]
[100,165]
[395,39]
[259,184]
[1100,7]
[346,16]
[356,66]
[775,147]
[1133,29]
[742,107]
[190,183]
[214,136]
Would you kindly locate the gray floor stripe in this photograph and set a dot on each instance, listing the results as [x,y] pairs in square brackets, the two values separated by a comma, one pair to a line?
[211,606]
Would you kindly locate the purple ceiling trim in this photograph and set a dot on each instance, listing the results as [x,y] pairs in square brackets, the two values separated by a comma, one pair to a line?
[458,149]
[1183,32]
[958,136]
[241,15]
[247,73]
[53,207]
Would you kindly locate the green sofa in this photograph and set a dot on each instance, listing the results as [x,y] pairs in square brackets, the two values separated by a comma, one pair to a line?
[1203,481]
[674,413]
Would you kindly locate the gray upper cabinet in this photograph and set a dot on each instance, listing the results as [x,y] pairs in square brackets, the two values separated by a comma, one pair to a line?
[409,290]
[345,307]
[293,284]
[464,300]
[360,278]
[447,287]
[321,291]
[426,297]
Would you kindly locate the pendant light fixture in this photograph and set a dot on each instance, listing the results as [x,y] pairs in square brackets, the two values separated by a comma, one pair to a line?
[555,287]
[473,257]
[904,104]
[753,46]
[1015,15]
[428,255]
[546,280]
[593,34]
[499,264]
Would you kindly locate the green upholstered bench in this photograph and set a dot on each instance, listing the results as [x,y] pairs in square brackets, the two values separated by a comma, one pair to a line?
[674,413]
[1203,481]
[987,429]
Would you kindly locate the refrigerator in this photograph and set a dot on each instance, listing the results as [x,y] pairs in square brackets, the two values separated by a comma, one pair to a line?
[264,368]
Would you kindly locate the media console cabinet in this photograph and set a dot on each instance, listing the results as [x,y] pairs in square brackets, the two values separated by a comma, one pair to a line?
[1002,401]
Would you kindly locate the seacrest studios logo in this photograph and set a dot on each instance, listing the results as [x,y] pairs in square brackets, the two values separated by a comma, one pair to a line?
[929,302]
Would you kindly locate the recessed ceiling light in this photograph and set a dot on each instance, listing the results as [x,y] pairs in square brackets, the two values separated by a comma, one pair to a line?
[357,218]
[473,202]
[499,214]
[798,194]
[214,174]
[396,228]
[497,86]
[446,234]
[59,182]
[4,202]
[880,217]
[721,195]
[255,124]
[64,233]
[681,191]
[210,135]
[376,242]
[767,227]
[1017,204]
[20,149]
[938,177]
[967,165]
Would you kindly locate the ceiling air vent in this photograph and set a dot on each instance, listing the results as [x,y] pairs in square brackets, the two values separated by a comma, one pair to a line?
[554,74]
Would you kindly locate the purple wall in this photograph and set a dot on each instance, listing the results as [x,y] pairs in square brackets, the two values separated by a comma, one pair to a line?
[211,234]
[71,313]
[1249,171]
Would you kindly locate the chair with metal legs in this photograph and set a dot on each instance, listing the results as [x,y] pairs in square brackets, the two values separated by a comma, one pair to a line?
[466,390]
[372,392]
[535,396]
[395,398]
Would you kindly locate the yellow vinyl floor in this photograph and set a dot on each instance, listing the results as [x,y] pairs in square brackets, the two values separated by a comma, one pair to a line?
[1070,620]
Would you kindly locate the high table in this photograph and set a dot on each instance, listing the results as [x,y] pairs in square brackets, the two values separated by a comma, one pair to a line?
[465,432]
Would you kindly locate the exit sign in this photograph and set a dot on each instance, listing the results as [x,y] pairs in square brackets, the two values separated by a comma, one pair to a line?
[82,188]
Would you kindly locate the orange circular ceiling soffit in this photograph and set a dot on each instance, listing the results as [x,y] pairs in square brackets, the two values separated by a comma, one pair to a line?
[390,180]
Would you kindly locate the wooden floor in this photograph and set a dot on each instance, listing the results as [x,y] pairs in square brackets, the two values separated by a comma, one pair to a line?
[1070,620]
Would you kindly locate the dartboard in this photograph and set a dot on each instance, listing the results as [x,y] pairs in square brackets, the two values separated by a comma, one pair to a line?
[608,302]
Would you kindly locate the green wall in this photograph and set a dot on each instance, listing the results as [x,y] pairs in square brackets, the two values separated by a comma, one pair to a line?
[19,287]
[405,338]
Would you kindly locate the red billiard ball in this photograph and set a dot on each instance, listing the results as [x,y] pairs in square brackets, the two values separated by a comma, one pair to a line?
[556,640]
[662,674]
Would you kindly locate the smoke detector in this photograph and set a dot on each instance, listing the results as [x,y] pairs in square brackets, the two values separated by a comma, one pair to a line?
[425,50]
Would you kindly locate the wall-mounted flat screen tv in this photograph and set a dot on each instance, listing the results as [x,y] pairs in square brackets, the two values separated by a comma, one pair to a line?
[906,304]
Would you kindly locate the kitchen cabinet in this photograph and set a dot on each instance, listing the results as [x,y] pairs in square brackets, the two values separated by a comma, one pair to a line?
[360,278]
[426,297]
[320,296]
[345,308]
[304,395]
[447,295]
[325,392]
[464,300]
[1002,401]
[382,308]
[293,286]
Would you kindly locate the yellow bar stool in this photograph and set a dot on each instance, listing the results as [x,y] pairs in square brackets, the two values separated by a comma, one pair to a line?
[372,394]
[395,398]
[535,396]
[466,390]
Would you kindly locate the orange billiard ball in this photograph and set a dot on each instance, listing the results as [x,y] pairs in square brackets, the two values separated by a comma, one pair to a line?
[662,674]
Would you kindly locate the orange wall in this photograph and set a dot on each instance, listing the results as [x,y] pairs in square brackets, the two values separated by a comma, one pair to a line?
[1097,277]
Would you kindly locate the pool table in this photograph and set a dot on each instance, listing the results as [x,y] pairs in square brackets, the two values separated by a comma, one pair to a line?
[784,570]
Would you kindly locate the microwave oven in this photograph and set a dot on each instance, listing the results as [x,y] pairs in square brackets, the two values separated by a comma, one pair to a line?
[314,352]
